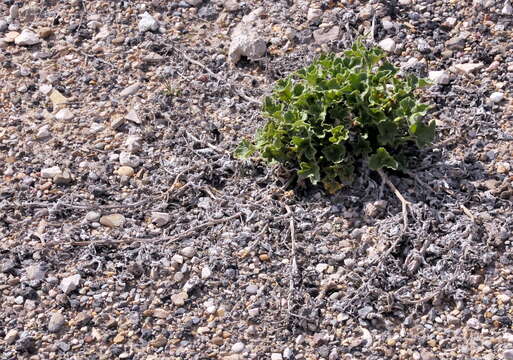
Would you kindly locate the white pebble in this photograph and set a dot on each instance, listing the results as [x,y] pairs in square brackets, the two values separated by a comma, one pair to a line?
[497,97]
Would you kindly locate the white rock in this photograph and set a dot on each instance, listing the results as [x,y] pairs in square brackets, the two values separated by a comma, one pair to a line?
[13,12]
[276,356]
[130,90]
[112,220]
[387,44]
[148,23]
[51,172]
[231,5]
[327,34]
[405,2]
[439,77]
[35,272]
[45,89]
[93,216]
[507,9]
[314,14]
[64,115]
[56,322]
[63,178]
[206,272]
[160,218]
[503,298]
[133,144]
[387,25]
[27,38]
[43,132]
[127,159]
[468,68]
[188,251]
[497,97]
[287,353]
[508,354]
[11,336]
[194,2]
[238,347]
[70,283]
[246,41]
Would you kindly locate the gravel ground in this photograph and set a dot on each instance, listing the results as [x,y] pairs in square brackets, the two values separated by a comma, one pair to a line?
[129,231]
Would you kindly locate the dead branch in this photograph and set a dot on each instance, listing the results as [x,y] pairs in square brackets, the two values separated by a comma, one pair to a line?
[401,198]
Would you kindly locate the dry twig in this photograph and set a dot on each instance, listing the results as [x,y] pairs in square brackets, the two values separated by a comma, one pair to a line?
[405,203]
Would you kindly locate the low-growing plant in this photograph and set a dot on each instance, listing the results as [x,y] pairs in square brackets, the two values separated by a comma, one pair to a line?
[325,117]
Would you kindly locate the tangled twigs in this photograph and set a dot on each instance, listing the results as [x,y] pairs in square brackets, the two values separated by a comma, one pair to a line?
[172,238]
[405,203]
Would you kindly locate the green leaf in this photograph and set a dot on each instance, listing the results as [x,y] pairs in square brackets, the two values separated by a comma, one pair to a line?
[310,171]
[382,159]
[387,132]
[334,153]
[244,150]
[424,134]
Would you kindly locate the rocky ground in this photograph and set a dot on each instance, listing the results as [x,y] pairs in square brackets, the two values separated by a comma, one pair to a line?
[129,231]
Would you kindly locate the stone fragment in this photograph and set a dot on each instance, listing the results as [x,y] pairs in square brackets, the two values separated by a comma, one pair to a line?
[231,5]
[56,322]
[366,12]
[188,251]
[92,216]
[119,339]
[496,97]
[252,289]
[276,356]
[35,272]
[11,336]
[507,9]
[148,23]
[127,159]
[64,115]
[161,313]
[468,68]
[27,38]
[132,116]
[3,25]
[313,14]
[45,32]
[455,43]
[206,272]
[83,318]
[51,172]
[116,121]
[238,347]
[159,341]
[57,98]
[160,218]
[43,132]
[179,299]
[70,283]
[325,35]
[130,90]
[387,44]
[508,354]
[11,36]
[125,171]
[439,77]
[246,40]
[133,144]
[64,178]
[112,220]
[194,2]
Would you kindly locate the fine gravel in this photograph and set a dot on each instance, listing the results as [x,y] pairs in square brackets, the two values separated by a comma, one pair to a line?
[128,230]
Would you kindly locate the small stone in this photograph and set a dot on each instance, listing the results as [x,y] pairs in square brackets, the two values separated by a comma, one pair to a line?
[160,218]
[64,346]
[313,14]
[127,159]
[132,116]
[287,353]
[64,178]
[83,318]
[113,220]
[11,336]
[503,298]
[206,272]
[496,97]
[70,283]
[43,132]
[119,339]
[11,36]
[507,9]
[217,340]
[468,68]
[125,171]
[276,356]
[133,144]
[194,2]
[238,347]
[387,24]
[56,322]
[455,43]
[92,216]
[503,167]
[27,38]
[13,12]
[439,77]
[231,5]
[130,90]
[366,12]
[148,23]
[57,98]
[246,41]
[116,121]
[161,313]
[387,44]
[51,172]
[252,289]
[179,299]
[508,354]
[3,25]
[35,272]
[325,35]
[253,312]
[160,341]
[321,267]
[45,33]
[64,115]
[474,323]
[449,22]
[188,251]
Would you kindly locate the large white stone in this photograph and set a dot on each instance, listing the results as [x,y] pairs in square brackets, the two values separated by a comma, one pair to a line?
[148,23]
[387,44]
[27,38]
[439,77]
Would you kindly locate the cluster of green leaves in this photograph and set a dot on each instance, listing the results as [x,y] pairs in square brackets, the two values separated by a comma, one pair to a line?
[325,117]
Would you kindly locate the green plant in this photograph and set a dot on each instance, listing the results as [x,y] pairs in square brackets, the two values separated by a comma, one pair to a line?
[326,116]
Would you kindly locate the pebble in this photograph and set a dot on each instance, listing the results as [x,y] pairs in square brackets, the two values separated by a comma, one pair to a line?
[287,353]
[387,44]
[11,336]
[35,272]
[127,159]
[194,2]
[238,347]
[112,220]
[56,322]
[3,25]
[439,77]
[252,289]
[27,38]
[508,354]
[125,171]
[132,116]
[503,298]
[70,283]
[133,144]
[474,323]
[231,5]
[468,68]
[179,299]
[160,341]
[64,115]
[63,178]
[51,172]
[496,97]
[188,251]
[507,9]
[43,132]
[246,41]
[148,23]
[130,90]
[92,216]
[276,356]
[325,35]
[160,218]
[206,272]
[161,313]
[313,14]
